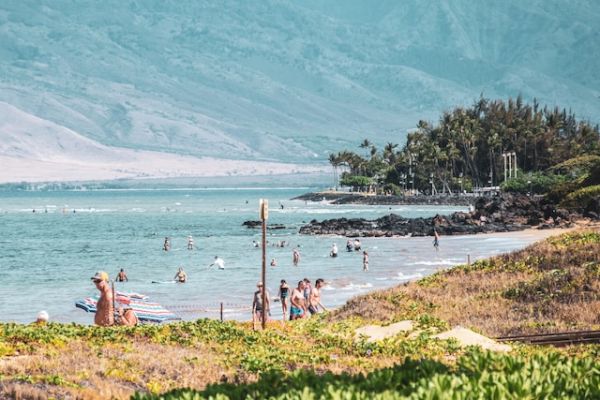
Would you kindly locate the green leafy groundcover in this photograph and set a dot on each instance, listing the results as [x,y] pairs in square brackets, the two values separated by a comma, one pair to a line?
[476,375]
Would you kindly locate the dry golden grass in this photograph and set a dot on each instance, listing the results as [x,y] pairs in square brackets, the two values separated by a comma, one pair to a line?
[550,286]
[113,371]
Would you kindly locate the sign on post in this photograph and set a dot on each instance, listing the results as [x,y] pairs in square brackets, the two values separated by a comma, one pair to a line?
[264,209]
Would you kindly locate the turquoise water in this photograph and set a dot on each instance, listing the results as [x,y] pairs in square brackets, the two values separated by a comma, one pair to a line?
[48,256]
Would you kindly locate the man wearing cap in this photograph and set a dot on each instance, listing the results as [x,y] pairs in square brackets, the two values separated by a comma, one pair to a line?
[104,308]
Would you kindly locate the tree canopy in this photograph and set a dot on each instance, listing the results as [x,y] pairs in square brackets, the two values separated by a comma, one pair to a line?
[468,147]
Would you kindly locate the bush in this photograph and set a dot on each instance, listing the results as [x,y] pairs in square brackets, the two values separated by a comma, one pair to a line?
[478,374]
[586,199]
[356,181]
[537,183]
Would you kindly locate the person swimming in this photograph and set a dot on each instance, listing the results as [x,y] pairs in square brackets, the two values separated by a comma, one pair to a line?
[180,276]
[218,262]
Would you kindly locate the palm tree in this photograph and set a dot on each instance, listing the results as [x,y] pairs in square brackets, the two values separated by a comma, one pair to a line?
[335,161]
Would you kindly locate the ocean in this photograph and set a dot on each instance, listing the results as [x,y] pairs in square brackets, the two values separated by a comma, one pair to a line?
[53,242]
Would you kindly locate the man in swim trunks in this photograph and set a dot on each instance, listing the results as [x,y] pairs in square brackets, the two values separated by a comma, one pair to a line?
[436,240]
[298,307]
[122,276]
[257,304]
[315,298]
[104,307]
[357,245]
[167,244]
[365,261]
[296,257]
[190,243]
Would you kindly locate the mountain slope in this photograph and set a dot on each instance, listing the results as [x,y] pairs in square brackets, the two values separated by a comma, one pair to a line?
[284,80]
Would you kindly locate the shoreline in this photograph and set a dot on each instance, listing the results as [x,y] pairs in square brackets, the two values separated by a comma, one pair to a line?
[338,198]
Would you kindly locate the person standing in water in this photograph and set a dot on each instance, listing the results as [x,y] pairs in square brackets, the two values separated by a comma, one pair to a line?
[365,261]
[436,240]
[334,251]
[190,243]
[284,291]
[349,246]
[296,256]
[357,245]
[167,244]
[273,262]
[180,276]
[122,276]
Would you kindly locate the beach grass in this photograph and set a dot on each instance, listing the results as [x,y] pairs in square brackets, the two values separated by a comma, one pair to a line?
[550,286]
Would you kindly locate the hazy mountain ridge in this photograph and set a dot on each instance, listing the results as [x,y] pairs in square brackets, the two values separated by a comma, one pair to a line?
[286,80]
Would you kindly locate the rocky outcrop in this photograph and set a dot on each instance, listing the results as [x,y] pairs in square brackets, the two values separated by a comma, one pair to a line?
[500,214]
[258,224]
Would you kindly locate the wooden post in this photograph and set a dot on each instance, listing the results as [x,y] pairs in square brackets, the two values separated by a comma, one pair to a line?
[221,311]
[264,215]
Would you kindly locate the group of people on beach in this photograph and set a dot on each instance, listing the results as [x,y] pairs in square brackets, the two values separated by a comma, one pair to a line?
[304,300]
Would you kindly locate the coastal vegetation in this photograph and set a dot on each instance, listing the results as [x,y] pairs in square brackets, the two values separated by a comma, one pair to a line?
[550,286]
[478,146]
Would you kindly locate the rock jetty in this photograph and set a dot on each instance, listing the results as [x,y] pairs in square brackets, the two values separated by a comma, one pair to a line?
[499,214]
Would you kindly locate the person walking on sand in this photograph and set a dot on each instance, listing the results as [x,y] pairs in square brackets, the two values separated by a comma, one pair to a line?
[365,261]
[298,305]
[284,291]
[180,276]
[218,262]
[167,244]
[314,303]
[257,304]
[307,290]
[436,240]
[122,276]
[104,307]
[296,256]
[190,243]
[334,251]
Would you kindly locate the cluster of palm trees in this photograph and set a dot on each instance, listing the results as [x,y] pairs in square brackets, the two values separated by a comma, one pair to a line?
[468,147]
